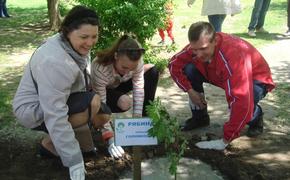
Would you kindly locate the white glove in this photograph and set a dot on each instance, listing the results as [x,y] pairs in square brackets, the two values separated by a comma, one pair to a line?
[77,172]
[214,144]
[115,151]
[190,2]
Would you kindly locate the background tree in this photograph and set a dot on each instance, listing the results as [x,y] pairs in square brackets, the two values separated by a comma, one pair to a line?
[141,18]
[54,14]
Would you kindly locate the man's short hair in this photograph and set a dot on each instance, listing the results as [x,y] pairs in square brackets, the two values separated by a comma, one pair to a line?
[200,28]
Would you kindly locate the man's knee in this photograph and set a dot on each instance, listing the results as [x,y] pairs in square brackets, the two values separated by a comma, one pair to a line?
[195,77]
[190,69]
[124,103]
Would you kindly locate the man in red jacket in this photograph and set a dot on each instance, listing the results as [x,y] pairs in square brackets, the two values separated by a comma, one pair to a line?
[230,63]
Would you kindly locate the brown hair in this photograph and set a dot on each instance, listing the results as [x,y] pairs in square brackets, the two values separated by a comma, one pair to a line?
[76,17]
[125,45]
[200,29]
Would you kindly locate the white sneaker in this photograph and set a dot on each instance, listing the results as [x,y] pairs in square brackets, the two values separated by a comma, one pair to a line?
[251,33]
[261,30]
[162,42]
[287,33]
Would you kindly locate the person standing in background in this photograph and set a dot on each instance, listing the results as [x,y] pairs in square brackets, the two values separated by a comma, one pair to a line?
[258,17]
[287,33]
[217,10]
[3,9]
[168,24]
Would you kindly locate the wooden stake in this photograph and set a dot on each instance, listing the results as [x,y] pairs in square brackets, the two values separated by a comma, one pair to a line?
[137,162]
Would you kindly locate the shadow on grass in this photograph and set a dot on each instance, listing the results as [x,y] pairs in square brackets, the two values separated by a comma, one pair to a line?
[262,36]
[278,6]
[9,79]
[283,100]
[282,91]
[26,29]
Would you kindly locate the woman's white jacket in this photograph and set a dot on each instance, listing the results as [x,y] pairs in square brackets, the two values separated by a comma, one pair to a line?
[57,76]
[213,7]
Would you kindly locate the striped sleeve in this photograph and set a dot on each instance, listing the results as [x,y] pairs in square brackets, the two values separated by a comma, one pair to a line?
[138,89]
[100,79]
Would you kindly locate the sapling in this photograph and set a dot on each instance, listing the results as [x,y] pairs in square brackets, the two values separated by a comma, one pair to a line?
[166,130]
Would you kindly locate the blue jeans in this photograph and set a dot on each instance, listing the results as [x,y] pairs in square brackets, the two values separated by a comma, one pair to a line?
[288,15]
[258,14]
[217,21]
[197,79]
[3,9]
[260,92]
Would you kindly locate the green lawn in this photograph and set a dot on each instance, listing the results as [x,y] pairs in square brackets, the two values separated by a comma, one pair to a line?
[275,21]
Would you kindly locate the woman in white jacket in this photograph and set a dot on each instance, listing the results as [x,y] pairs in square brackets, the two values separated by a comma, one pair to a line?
[53,95]
[217,10]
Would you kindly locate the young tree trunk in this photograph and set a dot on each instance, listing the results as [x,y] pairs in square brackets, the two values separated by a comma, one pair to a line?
[53,14]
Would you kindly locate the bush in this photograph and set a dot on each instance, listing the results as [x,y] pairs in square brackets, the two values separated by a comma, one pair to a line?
[141,18]
[151,58]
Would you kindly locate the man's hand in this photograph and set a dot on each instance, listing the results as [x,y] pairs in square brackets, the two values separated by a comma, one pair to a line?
[214,144]
[115,151]
[77,172]
[190,2]
[197,98]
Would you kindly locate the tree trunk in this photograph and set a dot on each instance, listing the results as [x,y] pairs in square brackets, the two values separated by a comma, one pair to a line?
[53,14]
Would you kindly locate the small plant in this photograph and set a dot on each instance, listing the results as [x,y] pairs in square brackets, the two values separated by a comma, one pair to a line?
[166,130]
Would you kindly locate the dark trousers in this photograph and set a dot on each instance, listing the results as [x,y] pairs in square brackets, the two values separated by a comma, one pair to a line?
[258,14]
[150,85]
[77,102]
[3,9]
[197,79]
[288,15]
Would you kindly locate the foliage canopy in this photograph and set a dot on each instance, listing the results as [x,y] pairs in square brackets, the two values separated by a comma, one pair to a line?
[141,18]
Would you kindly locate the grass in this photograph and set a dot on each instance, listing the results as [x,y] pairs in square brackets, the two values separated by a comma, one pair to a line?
[282,97]
[28,27]
[9,78]
[275,21]
[18,35]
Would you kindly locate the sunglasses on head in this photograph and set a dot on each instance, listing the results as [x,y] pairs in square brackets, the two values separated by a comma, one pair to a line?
[132,53]
[130,50]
